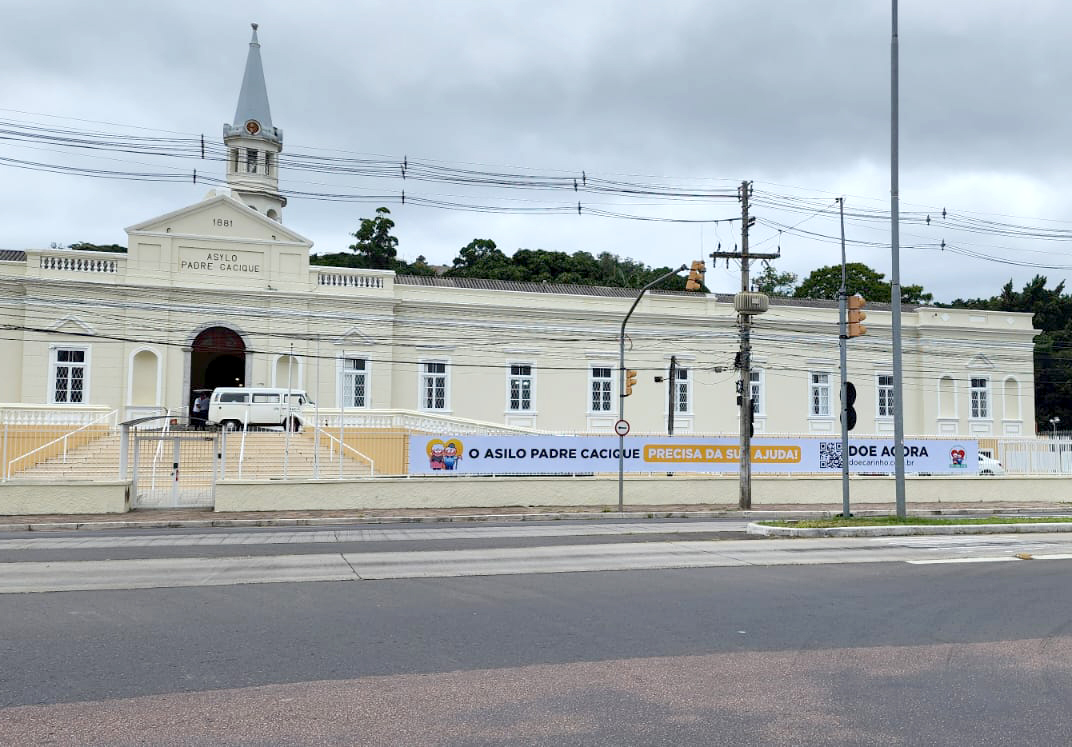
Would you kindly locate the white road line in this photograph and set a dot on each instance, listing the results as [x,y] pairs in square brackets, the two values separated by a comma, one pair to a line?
[1053,556]
[1000,559]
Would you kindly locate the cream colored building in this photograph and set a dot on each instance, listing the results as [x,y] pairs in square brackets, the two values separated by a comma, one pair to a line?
[221,293]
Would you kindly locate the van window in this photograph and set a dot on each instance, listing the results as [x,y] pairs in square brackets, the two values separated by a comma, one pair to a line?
[298,399]
[234,397]
[266,398]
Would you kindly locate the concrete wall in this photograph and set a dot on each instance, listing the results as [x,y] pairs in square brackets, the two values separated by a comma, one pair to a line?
[457,492]
[23,498]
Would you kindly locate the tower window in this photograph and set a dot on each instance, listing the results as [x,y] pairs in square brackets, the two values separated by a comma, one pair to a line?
[267,163]
[234,160]
[251,161]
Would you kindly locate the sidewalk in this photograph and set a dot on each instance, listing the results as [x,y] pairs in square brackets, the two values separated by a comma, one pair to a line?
[201,518]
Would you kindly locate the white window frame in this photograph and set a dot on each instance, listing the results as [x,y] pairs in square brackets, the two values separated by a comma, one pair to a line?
[682,386]
[511,377]
[344,373]
[54,364]
[815,388]
[425,379]
[252,156]
[879,389]
[605,388]
[759,383]
[987,409]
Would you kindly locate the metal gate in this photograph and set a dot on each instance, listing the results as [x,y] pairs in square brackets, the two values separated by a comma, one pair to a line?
[174,468]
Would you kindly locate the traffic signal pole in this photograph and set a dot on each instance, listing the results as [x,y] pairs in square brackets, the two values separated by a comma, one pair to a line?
[844,346]
[621,382]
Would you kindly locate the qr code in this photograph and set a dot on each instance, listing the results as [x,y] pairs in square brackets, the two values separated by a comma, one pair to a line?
[829,455]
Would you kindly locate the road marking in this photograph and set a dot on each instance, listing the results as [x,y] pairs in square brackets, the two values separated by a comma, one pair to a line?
[999,559]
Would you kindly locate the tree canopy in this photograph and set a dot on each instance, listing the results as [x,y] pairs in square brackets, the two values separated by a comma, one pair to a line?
[375,245]
[85,246]
[825,282]
[775,283]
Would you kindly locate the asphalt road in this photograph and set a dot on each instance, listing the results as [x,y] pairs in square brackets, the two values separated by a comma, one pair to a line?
[836,653]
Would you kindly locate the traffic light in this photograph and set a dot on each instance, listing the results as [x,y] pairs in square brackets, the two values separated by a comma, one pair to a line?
[696,276]
[849,411]
[630,379]
[856,304]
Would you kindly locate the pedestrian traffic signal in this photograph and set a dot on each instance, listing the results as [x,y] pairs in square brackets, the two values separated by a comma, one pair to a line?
[848,411]
[696,276]
[856,304]
[630,379]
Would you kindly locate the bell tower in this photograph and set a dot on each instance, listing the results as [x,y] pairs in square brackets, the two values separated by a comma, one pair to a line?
[253,144]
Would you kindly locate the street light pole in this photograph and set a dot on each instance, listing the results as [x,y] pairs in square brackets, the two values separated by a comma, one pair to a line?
[895,276]
[621,382]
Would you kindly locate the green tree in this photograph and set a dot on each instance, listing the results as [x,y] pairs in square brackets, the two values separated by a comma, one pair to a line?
[480,258]
[775,283]
[419,266]
[85,246]
[825,282]
[375,245]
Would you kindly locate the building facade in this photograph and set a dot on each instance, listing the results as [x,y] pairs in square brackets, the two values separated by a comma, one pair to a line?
[222,293]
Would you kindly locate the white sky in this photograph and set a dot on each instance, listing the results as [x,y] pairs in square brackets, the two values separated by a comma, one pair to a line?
[690,93]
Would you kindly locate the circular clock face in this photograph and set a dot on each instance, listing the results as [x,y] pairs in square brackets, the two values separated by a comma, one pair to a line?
[253,127]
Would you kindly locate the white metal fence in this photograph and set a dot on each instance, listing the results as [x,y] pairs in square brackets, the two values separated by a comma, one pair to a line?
[1037,456]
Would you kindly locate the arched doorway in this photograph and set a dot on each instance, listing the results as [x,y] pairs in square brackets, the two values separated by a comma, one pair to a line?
[217,358]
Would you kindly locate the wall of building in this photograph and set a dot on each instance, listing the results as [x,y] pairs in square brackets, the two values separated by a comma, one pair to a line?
[154,302]
[491,492]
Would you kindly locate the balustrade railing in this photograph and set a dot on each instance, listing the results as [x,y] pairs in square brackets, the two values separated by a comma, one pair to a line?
[344,278]
[78,264]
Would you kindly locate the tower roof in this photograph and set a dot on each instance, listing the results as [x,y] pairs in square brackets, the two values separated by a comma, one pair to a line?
[253,99]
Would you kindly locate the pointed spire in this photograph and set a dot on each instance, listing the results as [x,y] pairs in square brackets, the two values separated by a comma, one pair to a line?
[253,98]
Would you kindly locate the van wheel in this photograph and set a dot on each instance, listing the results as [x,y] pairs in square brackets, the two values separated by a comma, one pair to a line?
[230,425]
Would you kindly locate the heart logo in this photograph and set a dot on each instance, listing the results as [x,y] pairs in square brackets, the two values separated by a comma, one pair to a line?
[957,455]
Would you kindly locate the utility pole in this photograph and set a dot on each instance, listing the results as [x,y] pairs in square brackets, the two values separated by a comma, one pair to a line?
[746,304]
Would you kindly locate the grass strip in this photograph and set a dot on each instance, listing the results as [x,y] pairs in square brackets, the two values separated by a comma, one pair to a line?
[885,521]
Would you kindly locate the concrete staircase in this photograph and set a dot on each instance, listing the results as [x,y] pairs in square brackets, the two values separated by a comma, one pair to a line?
[266,456]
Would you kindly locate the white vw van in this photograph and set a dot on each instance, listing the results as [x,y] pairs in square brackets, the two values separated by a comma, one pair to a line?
[235,407]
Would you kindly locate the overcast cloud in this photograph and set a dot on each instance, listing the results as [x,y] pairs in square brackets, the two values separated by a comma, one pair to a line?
[792,95]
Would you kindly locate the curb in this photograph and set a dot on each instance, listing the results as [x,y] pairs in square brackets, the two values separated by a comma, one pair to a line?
[318,521]
[909,531]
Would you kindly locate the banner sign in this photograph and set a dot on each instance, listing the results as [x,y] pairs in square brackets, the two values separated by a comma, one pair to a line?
[505,455]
